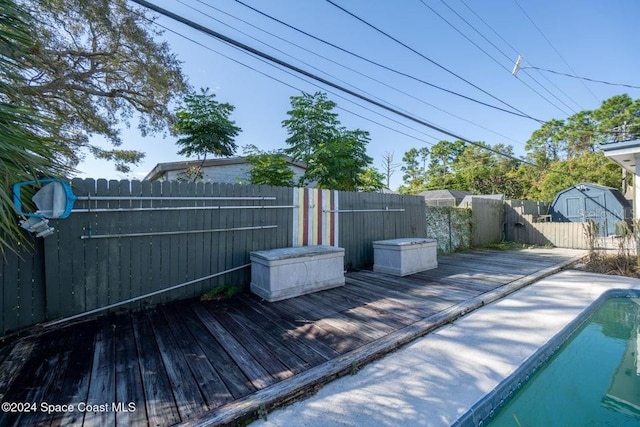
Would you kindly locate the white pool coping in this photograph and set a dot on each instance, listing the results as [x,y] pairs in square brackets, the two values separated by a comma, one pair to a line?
[437,378]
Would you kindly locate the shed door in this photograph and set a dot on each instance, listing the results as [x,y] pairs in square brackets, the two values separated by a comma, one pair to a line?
[575,209]
[595,210]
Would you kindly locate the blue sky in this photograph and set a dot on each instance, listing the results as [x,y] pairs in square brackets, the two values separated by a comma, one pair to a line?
[597,39]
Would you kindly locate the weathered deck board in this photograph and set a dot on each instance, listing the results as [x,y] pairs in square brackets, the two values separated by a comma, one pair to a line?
[275,332]
[259,350]
[275,345]
[160,404]
[186,360]
[233,377]
[129,388]
[307,333]
[258,375]
[186,392]
[102,385]
[213,390]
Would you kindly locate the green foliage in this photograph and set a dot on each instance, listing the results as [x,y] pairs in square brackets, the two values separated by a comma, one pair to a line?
[268,168]
[222,292]
[414,167]
[205,126]
[192,174]
[336,157]
[371,180]
[26,153]
[96,64]
[563,151]
[546,144]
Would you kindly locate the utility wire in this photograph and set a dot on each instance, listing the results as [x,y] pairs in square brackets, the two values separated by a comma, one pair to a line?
[426,58]
[510,59]
[307,81]
[270,58]
[386,67]
[584,78]
[297,89]
[281,51]
[554,49]
[494,59]
[516,52]
[346,67]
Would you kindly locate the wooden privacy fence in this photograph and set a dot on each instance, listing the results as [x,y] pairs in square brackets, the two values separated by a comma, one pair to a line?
[488,219]
[526,228]
[127,239]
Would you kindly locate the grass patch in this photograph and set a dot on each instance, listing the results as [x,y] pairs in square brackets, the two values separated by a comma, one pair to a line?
[505,246]
[222,292]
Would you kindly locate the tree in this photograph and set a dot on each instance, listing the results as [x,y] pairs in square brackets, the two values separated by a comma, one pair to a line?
[335,156]
[311,121]
[268,167]
[547,144]
[25,153]
[371,180]
[482,171]
[388,167]
[96,65]
[414,168]
[205,126]
[443,155]
[618,118]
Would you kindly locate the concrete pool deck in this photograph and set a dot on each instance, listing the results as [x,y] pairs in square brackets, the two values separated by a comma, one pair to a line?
[436,379]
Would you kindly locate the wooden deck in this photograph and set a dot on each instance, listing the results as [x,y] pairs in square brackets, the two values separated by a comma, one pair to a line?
[212,362]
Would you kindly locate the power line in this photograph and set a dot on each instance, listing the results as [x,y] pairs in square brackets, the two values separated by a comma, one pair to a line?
[270,58]
[553,47]
[279,50]
[342,66]
[300,90]
[338,95]
[509,58]
[427,58]
[514,50]
[583,78]
[493,58]
[385,67]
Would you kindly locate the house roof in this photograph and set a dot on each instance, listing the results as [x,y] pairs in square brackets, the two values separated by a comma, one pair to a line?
[161,168]
[623,153]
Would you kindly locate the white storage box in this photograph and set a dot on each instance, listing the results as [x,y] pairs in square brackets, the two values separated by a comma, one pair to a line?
[402,257]
[282,273]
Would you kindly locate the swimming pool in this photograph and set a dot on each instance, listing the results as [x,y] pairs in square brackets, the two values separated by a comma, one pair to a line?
[588,374]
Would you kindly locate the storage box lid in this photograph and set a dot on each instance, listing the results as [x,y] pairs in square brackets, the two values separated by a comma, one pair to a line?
[295,252]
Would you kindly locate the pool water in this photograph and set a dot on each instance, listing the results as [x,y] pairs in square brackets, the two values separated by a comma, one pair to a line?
[593,379]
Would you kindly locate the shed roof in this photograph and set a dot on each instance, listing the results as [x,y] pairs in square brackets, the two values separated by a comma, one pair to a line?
[444,194]
[581,186]
[469,199]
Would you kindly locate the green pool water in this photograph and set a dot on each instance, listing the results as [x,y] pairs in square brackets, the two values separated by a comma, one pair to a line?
[593,380]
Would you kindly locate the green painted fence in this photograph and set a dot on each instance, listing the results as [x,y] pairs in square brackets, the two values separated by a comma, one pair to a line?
[126,239]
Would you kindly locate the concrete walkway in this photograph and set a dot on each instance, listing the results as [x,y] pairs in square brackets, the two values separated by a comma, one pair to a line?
[436,379]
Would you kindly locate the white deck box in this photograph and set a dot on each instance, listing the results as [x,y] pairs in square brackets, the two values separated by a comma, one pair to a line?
[283,273]
[401,257]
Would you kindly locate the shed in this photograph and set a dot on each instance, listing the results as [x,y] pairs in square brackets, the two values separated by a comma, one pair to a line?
[443,197]
[604,205]
[467,202]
